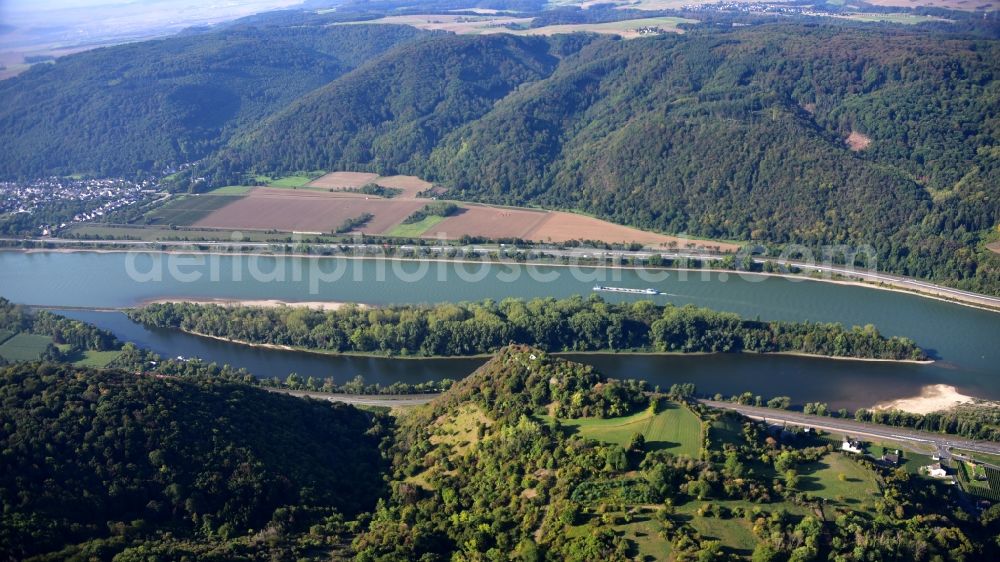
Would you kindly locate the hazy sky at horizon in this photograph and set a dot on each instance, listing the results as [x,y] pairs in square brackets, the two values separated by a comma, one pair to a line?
[17,9]
[36,25]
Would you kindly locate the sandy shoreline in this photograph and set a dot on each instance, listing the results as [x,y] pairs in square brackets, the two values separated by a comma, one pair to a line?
[932,398]
[261,303]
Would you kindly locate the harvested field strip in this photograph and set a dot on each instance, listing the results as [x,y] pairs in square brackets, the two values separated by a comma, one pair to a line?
[411,185]
[307,211]
[560,226]
[489,222]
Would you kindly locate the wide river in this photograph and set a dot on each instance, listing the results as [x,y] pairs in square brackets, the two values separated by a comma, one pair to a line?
[965,341]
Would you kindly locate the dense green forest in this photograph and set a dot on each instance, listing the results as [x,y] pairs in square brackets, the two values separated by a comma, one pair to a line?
[93,464]
[573,324]
[397,108]
[146,107]
[128,466]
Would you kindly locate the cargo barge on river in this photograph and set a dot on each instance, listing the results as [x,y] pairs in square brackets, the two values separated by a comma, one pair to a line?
[647,291]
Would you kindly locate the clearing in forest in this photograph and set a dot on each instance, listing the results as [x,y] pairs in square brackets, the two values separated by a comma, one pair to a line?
[857,141]
[674,428]
[840,480]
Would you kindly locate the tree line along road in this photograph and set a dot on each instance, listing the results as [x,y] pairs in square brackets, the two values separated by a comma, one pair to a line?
[940,441]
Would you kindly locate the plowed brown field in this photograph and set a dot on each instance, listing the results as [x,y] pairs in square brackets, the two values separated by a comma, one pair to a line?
[489,222]
[411,185]
[307,211]
[562,227]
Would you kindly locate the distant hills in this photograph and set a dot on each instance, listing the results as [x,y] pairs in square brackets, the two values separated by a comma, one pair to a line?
[146,106]
[734,133]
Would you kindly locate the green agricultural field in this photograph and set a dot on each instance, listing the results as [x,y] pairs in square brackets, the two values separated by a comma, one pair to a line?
[298,180]
[97,359]
[231,190]
[416,229]
[986,486]
[675,429]
[5,335]
[24,347]
[188,209]
[154,233]
[855,489]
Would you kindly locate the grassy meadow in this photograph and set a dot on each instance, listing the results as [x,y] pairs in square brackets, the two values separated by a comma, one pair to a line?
[416,229]
[674,428]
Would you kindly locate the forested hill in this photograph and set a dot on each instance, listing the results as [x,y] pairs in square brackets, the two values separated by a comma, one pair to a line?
[99,462]
[538,458]
[145,106]
[391,113]
[738,135]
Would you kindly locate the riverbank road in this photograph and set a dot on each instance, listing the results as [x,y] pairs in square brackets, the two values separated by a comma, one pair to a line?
[942,443]
[382,400]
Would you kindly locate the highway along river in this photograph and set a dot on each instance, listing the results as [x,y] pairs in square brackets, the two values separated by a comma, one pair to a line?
[965,341]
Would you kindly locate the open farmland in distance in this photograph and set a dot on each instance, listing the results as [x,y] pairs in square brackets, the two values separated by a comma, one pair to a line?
[475,25]
[454,23]
[627,29]
[318,210]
